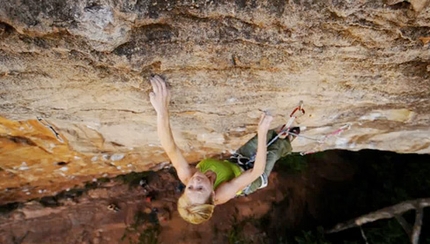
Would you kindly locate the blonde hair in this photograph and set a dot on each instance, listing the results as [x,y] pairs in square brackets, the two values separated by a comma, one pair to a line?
[192,213]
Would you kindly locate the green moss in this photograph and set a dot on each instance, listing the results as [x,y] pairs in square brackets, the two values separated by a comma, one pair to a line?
[312,237]
[294,163]
[146,226]
[150,235]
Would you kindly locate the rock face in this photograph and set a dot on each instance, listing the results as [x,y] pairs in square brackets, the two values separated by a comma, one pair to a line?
[81,67]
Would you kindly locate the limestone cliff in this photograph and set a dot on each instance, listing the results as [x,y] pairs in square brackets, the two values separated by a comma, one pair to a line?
[73,78]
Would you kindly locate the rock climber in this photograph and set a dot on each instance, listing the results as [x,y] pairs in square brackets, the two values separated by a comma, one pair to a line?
[214,182]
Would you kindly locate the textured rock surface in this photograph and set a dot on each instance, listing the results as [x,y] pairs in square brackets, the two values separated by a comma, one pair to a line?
[83,67]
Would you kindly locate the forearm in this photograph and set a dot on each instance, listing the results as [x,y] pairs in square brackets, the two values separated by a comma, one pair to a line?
[228,190]
[260,157]
[165,133]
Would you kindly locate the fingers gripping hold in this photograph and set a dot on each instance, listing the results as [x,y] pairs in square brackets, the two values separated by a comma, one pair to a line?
[158,84]
[160,95]
[156,87]
[264,124]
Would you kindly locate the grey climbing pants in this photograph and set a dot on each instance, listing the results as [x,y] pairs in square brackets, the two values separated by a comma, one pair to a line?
[279,148]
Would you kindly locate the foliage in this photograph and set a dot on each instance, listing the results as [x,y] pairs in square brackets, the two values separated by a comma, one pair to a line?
[388,231]
[145,226]
[149,235]
[235,234]
[294,163]
[312,237]
[378,179]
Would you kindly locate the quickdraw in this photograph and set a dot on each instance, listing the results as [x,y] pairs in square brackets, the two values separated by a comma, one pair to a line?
[284,129]
[324,138]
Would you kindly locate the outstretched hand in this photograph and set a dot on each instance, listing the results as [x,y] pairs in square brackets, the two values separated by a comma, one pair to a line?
[264,124]
[160,95]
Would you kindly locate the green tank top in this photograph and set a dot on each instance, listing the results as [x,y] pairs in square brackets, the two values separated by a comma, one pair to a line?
[224,170]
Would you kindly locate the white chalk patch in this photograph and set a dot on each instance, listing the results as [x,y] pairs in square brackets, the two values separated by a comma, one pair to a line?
[322,129]
[64,169]
[372,116]
[118,167]
[117,157]
[76,157]
[105,157]
[341,142]
[211,138]
[240,129]
[400,115]
[91,127]
[93,159]
[232,100]
[129,165]
[23,166]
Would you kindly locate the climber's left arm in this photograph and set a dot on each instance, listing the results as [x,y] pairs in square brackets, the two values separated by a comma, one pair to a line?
[228,190]
[160,98]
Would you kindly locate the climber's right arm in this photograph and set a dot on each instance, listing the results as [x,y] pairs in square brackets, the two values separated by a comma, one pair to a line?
[160,98]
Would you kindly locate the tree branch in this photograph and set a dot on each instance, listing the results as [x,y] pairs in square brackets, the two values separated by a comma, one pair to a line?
[405,225]
[417,226]
[363,235]
[385,213]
